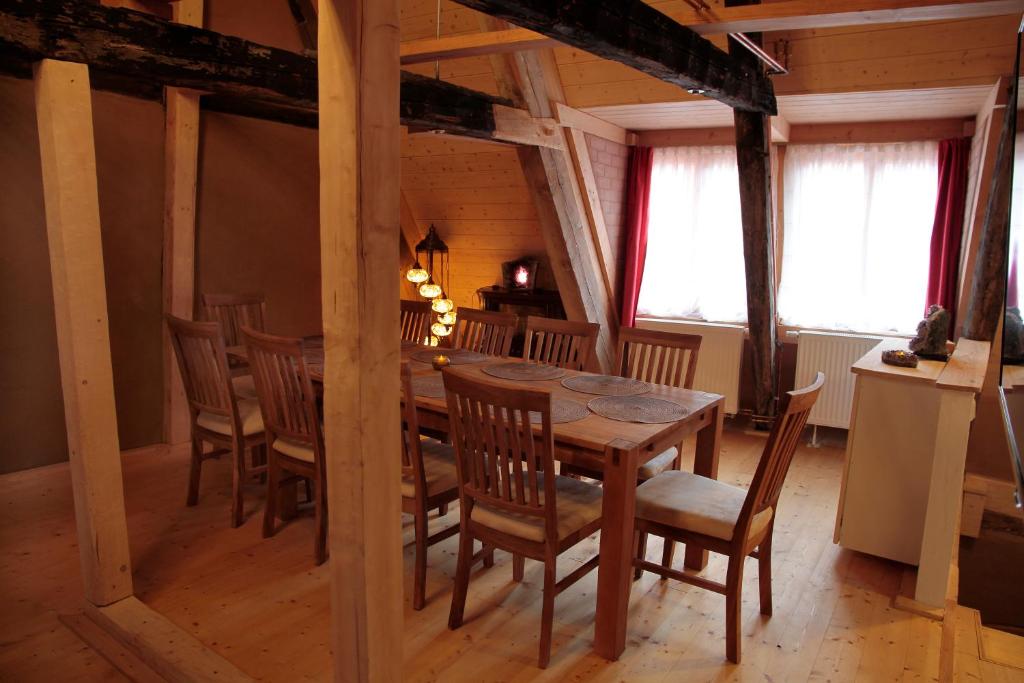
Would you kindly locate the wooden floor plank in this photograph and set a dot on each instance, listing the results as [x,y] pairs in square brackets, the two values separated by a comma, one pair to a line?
[262,604]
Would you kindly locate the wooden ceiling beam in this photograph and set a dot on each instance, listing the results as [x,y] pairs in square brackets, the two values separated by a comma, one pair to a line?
[777,16]
[473,45]
[146,47]
[639,36]
[791,15]
[141,52]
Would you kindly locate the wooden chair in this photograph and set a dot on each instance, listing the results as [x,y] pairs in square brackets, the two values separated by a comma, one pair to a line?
[564,343]
[429,480]
[415,320]
[294,433]
[487,332]
[725,519]
[508,493]
[662,358]
[235,311]
[231,423]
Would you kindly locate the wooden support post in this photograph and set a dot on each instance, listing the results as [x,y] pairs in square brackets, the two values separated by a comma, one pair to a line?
[572,248]
[359,219]
[584,168]
[68,156]
[165,651]
[985,305]
[753,155]
[181,167]
[989,128]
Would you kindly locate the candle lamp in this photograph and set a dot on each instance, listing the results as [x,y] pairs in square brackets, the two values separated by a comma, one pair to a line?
[441,361]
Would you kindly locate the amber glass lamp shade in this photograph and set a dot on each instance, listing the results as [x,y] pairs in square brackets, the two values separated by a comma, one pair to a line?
[442,305]
[430,290]
[417,274]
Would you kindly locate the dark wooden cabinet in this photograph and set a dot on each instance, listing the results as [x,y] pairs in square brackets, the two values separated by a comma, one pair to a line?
[547,302]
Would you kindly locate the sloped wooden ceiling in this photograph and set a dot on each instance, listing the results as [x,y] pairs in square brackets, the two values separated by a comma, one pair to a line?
[850,59]
[476,196]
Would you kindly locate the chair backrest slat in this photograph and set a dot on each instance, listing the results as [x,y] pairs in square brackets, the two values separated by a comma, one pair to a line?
[499,455]
[235,311]
[563,343]
[415,320]
[659,357]
[488,332]
[412,448]
[284,389]
[202,360]
[770,475]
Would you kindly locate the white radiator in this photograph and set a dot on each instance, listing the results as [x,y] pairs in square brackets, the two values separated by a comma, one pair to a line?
[833,354]
[720,357]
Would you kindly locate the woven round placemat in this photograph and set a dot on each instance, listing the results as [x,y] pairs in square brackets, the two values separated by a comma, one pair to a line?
[518,370]
[456,356]
[563,410]
[428,386]
[637,409]
[606,385]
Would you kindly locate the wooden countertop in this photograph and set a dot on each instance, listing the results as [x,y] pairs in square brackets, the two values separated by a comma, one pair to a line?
[1013,377]
[965,370]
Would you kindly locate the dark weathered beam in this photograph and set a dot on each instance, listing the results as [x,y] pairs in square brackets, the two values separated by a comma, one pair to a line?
[753,156]
[305,21]
[137,54]
[637,35]
[255,109]
[985,305]
[433,104]
[140,45]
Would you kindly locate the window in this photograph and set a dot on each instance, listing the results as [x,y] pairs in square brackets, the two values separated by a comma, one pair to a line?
[694,266]
[858,222]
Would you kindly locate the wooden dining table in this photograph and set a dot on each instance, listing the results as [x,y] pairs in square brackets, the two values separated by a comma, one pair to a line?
[615,448]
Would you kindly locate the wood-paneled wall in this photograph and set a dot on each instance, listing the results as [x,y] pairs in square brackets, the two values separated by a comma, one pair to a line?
[476,196]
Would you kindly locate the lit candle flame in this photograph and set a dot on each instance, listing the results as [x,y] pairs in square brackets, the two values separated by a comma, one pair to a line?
[522,276]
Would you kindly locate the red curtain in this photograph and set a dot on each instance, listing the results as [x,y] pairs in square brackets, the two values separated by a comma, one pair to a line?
[944,265]
[641,160]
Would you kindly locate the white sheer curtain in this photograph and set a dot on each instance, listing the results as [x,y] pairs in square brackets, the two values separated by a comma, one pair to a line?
[694,265]
[858,223]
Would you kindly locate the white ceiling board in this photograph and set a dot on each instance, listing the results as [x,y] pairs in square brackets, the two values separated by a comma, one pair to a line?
[891,105]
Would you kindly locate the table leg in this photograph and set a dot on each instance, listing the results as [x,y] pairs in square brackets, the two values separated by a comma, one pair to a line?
[615,571]
[705,463]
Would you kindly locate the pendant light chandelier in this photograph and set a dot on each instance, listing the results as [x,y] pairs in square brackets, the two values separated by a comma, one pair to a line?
[430,273]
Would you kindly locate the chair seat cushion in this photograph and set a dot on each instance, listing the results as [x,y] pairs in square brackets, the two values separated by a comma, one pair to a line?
[299,450]
[248,413]
[245,386]
[438,469]
[694,503]
[657,464]
[578,504]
